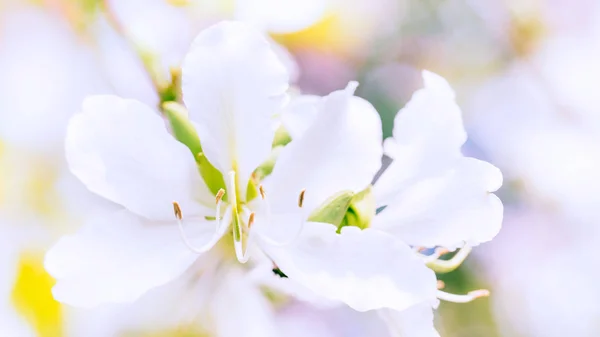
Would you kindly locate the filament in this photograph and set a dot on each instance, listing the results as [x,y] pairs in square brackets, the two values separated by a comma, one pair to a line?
[302,217]
[179,216]
[469,297]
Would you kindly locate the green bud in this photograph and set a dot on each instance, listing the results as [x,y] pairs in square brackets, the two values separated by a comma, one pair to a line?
[361,210]
[184,132]
[334,209]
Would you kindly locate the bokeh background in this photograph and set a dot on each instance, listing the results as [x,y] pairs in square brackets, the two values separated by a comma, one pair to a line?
[527,76]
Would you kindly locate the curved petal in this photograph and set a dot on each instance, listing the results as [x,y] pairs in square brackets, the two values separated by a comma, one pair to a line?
[341,150]
[416,321]
[366,269]
[121,150]
[450,208]
[233,83]
[299,114]
[428,134]
[118,257]
[239,297]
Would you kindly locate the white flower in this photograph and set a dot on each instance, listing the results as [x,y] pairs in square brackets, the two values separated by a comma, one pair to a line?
[233,85]
[430,195]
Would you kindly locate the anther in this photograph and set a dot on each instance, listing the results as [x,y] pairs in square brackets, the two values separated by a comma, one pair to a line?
[250,220]
[177,210]
[469,297]
[301,198]
[441,284]
[262,192]
[179,217]
[219,195]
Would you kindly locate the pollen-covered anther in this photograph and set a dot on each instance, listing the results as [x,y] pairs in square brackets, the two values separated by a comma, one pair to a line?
[471,296]
[301,198]
[219,195]
[250,220]
[177,210]
[441,284]
[263,195]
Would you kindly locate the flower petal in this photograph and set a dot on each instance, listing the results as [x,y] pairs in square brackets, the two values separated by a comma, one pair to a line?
[121,150]
[300,114]
[432,193]
[428,133]
[241,309]
[451,208]
[366,269]
[118,257]
[416,321]
[341,150]
[233,83]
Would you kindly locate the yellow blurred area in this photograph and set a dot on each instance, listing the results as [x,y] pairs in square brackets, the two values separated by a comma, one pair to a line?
[325,34]
[32,296]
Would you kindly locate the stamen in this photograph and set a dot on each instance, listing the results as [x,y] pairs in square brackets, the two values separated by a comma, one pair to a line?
[446,266]
[301,198]
[219,195]
[238,240]
[441,284]
[292,238]
[469,297]
[262,192]
[250,220]
[177,210]
[203,249]
[219,199]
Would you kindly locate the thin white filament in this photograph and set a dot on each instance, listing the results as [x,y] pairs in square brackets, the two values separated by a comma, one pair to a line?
[204,248]
[471,296]
[292,238]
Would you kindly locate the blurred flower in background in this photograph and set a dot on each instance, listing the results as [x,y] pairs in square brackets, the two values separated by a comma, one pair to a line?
[525,73]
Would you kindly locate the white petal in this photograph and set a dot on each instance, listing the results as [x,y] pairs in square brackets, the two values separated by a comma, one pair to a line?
[233,83]
[281,16]
[241,309]
[300,114]
[366,269]
[340,151]
[428,133]
[119,257]
[416,321]
[121,150]
[448,208]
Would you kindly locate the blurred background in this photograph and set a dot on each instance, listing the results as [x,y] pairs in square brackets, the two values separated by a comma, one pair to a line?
[526,72]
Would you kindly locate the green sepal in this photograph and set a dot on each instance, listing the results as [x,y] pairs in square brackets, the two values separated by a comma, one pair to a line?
[334,209]
[251,190]
[266,167]
[281,138]
[183,130]
[181,127]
